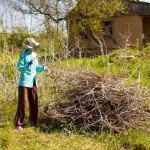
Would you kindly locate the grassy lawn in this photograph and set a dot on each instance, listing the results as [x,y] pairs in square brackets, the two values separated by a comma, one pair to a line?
[45,137]
[34,139]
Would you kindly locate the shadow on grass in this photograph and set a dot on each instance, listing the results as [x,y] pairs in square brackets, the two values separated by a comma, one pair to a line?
[49,125]
[3,125]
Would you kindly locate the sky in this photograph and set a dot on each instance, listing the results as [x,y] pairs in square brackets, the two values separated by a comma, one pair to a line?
[145,1]
[31,22]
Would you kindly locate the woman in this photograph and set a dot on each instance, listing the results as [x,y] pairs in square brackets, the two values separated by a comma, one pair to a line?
[27,90]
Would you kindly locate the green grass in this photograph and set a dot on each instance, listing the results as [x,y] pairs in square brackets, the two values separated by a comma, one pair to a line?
[49,136]
[34,139]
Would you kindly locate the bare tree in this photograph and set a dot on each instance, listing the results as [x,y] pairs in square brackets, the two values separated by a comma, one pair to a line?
[92,11]
[81,14]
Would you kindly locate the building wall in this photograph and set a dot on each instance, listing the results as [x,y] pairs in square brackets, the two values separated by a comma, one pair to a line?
[135,25]
[128,31]
[123,28]
[75,40]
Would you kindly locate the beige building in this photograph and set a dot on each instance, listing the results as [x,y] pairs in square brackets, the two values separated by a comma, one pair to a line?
[129,31]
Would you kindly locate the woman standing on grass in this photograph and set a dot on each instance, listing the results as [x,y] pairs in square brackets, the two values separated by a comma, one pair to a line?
[27,90]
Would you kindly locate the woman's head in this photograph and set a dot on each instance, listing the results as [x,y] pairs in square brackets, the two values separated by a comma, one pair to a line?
[30,43]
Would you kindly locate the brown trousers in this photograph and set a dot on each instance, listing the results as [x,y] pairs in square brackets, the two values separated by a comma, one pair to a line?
[25,94]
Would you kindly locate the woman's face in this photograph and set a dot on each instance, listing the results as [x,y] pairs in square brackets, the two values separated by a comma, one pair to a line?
[33,49]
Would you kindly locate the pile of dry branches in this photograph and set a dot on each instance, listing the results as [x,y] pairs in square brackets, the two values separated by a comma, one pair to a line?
[101,102]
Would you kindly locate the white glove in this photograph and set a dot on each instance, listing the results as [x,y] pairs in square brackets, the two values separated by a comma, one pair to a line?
[46,69]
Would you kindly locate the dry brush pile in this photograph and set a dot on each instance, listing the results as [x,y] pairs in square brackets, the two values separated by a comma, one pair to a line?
[95,102]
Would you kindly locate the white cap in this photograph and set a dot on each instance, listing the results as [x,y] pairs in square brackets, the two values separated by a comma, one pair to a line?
[30,43]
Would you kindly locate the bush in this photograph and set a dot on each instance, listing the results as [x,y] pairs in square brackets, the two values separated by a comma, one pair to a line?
[17,37]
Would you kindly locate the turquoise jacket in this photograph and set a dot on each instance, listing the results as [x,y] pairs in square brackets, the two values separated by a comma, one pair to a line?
[28,73]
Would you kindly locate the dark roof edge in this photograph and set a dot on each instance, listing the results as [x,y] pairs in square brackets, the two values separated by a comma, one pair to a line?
[137,14]
[138,2]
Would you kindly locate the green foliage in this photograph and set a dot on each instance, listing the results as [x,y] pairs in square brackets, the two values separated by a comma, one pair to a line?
[35,139]
[147,48]
[16,38]
[8,63]
[13,40]
[130,66]
[91,13]
[49,134]
[52,41]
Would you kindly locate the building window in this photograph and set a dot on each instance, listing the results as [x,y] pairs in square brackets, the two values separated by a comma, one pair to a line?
[83,34]
[107,29]
[84,30]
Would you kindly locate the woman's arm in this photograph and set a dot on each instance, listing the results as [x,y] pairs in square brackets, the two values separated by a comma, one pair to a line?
[21,64]
[38,68]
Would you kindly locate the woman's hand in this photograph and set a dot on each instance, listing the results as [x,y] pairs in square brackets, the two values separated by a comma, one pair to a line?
[46,69]
[30,63]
